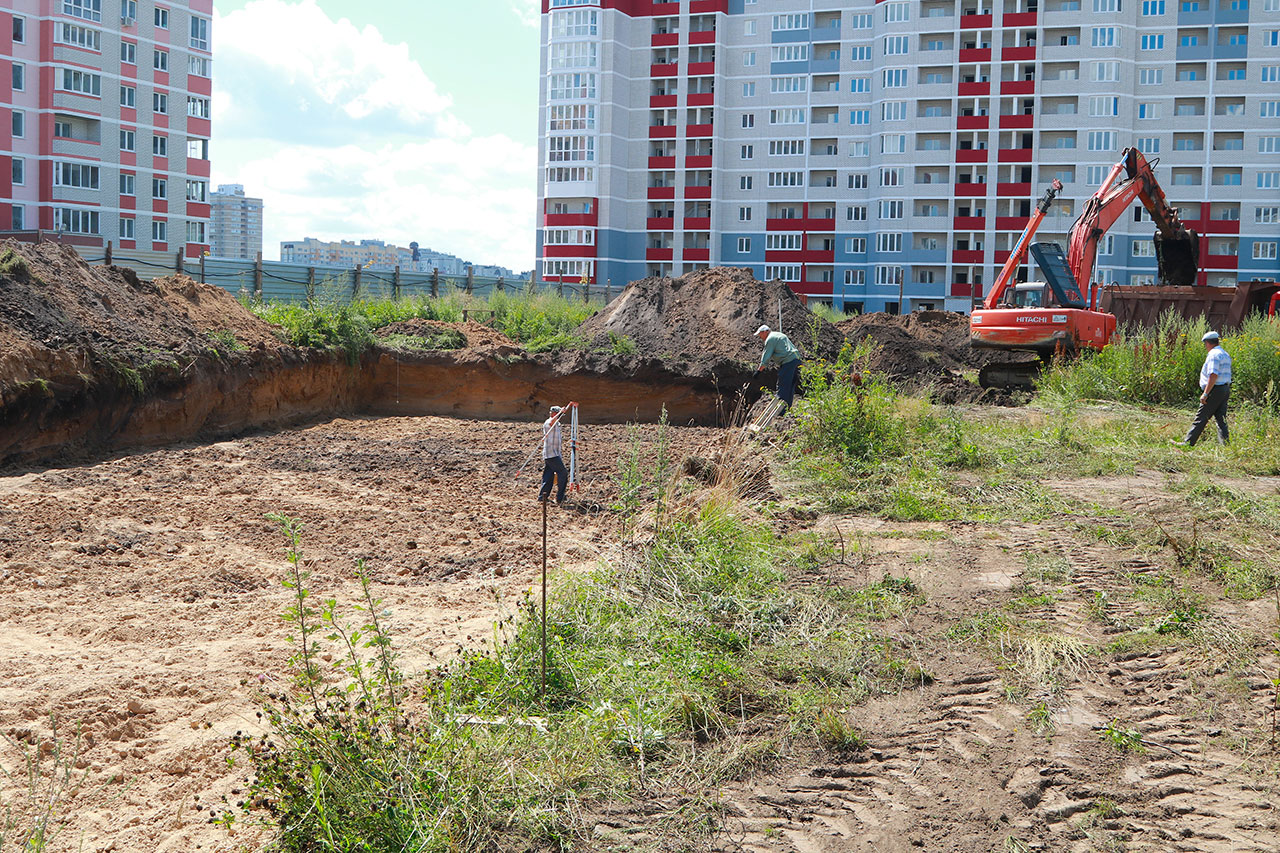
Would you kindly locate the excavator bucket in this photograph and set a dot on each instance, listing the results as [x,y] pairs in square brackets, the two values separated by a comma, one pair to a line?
[1178,259]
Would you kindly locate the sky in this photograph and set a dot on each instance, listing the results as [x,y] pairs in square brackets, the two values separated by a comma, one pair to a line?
[397,120]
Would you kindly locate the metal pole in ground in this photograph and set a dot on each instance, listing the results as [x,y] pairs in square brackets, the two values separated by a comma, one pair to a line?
[545,501]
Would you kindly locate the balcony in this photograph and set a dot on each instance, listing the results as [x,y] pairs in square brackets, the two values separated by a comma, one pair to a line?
[668,69]
[971,155]
[697,223]
[966,256]
[1018,87]
[565,220]
[1221,262]
[702,37]
[662,101]
[697,254]
[806,224]
[662,131]
[970,190]
[800,256]
[1018,19]
[698,131]
[1017,120]
[701,99]
[1001,255]
[569,251]
[701,161]
[701,69]
[661,193]
[1011,223]
[662,10]
[975,54]
[1014,155]
[697,192]
[658,254]
[665,39]
[662,162]
[661,223]
[975,22]
[1016,190]
[699,7]
[972,89]
[972,122]
[969,223]
[962,288]
[1018,54]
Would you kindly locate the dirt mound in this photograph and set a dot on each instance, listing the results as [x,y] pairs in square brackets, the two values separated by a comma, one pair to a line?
[476,334]
[706,321]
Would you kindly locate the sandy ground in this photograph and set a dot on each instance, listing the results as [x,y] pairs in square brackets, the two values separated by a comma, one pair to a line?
[141,597]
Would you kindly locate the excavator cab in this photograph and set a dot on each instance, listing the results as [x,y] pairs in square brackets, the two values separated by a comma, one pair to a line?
[1025,295]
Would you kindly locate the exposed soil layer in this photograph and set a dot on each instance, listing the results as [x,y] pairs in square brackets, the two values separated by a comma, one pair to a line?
[141,595]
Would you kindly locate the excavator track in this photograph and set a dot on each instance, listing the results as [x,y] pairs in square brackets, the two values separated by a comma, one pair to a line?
[1011,376]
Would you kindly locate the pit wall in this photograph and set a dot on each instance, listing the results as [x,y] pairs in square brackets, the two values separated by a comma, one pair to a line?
[63,416]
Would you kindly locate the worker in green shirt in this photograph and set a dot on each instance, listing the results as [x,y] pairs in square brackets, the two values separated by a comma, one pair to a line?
[779,350]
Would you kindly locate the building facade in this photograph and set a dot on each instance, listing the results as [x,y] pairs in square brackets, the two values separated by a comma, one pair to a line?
[886,155]
[105,122]
[235,227]
[377,254]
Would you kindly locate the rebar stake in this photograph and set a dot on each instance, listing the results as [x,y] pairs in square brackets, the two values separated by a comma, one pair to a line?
[545,501]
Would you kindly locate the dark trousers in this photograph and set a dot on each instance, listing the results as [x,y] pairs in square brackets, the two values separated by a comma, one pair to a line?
[553,469]
[788,377]
[1214,406]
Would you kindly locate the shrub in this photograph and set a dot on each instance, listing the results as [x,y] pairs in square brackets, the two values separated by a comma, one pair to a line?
[848,411]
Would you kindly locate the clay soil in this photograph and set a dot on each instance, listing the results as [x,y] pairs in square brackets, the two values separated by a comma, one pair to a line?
[141,595]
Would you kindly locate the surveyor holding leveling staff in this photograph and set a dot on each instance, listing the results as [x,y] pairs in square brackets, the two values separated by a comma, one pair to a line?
[552,458]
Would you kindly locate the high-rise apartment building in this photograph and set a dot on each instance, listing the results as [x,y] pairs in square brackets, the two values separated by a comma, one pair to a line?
[882,153]
[377,254]
[235,229]
[104,121]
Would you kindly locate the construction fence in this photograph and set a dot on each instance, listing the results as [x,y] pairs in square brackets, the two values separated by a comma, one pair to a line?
[275,281]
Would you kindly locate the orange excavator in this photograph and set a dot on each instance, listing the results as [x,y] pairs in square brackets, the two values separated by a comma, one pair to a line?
[1056,317]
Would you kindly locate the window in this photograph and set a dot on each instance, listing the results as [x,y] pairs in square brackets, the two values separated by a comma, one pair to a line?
[1149,144]
[1102,140]
[935,44]
[561,87]
[90,10]
[69,174]
[199,191]
[571,149]
[789,53]
[744,182]
[19,76]
[160,60]
[198,149]
[888,275]
[128,53]
[200,33]
[783,272]
[891,177]
[559,117]
[160,103]
[570,24]
[855,277]
[749,28]
[859,116]
[791,22]
[77,36]
[787,116]
[1104,37]
[1104,105]
[860,53]
[788,84]
[1106,5]
[19,170]
[744,214]
[891,209]
[1106,72]
[748,90]
[574,54]
[160,146]
[1149,111]
[1153,42]
[856,213]
[199,66]
[895,78]
[1269,144]
[895,45]
[1270,109]
[63,129]
[161,18]
[19,29]
[75,221]
[1269,180]
[744,245]
[1236,74]
[786,179]
[858,181]
[126,140]
[1266,215]
[19,217]
[859,149]
[896,12]
[893,111]
[749,120]
[129,10]
[1189,40]
[159,231]
[860,84]
[195,232]
[1152,7]
[860,22]
[889,241]
[1264,251]
[785,147]
[128,184]
[783,242]
[1095,174]
[1150,76]
[747,152]
[128,96]
[855,245]
[748,58]
[81,82]
[893,143]
[159,188]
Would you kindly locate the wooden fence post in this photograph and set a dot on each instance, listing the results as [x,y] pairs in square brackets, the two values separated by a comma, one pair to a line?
[257,277]
[471,280]
[177,262]
[108,257]
[500,285]
[355,284]
[533,287]
[435,282]
[395,284]
[311,285]
[202,257]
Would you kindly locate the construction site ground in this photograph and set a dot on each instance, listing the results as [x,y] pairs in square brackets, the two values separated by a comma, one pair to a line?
[141,600]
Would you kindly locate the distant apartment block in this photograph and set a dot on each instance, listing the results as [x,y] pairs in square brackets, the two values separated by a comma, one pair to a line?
[886,155]
[104,121]
[235,228]
[377,254]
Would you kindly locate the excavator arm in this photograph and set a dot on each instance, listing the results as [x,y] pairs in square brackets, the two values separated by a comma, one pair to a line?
[1019,253]
[1177,249]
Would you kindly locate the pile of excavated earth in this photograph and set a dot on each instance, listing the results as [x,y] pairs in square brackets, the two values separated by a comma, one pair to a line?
[93,357]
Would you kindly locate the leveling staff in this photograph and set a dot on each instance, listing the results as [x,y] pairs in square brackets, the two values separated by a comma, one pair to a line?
[779,350]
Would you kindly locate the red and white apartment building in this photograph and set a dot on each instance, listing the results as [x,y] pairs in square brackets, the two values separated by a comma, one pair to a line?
[105,122]
[885,154]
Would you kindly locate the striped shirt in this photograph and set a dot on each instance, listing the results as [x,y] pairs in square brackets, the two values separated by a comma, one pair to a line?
[1219,362]
[551,439]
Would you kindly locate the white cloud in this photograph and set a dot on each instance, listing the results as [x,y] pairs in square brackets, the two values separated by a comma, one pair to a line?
[344,136]
[528,11]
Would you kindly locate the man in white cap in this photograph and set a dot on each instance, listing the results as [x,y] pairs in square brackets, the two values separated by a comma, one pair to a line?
[1215,384]
[552,464]
[779,350]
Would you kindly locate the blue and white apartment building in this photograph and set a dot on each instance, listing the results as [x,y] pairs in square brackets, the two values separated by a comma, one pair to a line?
[881,153]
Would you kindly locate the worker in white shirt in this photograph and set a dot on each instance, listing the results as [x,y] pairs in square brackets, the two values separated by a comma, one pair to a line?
[552,462]
[1215,385]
